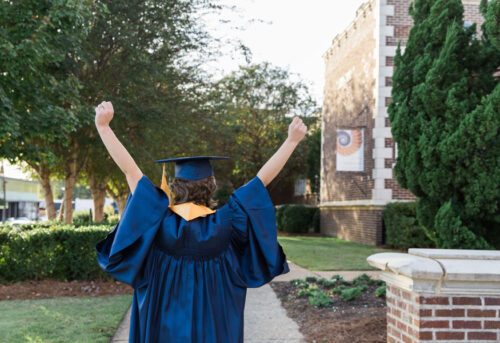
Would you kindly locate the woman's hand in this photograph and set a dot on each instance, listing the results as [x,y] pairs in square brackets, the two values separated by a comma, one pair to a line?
[103,114]
[297,130]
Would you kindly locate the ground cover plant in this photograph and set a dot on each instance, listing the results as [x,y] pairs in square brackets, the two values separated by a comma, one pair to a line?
[336,310]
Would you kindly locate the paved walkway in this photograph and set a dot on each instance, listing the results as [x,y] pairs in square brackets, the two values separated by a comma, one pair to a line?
[266,320]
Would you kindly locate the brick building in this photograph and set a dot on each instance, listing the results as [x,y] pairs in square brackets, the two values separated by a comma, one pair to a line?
[358,152]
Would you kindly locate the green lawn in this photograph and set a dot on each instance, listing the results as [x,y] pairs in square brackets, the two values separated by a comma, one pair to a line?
[62,319]
[327,253]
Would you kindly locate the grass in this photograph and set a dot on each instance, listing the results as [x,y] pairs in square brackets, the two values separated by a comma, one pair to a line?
[327,253]
[62,319]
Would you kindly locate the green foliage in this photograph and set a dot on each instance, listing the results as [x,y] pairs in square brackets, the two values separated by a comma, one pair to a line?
[251,111]
[306,291]
[299,283]
[338,278]
[311,279]
[380,291]
[313,159]
[339,289]
[81,218]
[363,279]
[296,218]
[353,293]
[39,93]
[491,12]
[60,252]
[316,221]
[320,299]
[445,118]
[401,227]
[222,195]
[326,283]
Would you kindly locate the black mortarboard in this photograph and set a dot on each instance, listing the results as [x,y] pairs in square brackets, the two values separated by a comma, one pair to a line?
[193,168]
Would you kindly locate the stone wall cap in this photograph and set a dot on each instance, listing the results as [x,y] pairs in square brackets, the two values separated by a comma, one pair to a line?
[408,265]
[460,254]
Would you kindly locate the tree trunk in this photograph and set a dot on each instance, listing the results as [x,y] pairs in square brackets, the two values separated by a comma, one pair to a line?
[98,190]
[69,185]
[61,211]
[43,172]
[44,176]
[120,202]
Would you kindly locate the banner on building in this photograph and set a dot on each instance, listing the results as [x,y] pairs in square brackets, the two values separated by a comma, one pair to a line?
[350,148]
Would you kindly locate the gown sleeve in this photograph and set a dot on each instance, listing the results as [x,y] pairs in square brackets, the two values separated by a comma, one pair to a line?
[122,253]
[254,227]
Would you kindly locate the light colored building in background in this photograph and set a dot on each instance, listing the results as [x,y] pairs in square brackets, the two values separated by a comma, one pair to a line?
[358,152]
[22,192]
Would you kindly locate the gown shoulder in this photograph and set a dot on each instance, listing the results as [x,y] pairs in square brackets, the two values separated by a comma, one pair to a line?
[122,253]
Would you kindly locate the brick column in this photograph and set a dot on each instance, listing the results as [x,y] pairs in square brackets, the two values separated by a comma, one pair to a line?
[441,295]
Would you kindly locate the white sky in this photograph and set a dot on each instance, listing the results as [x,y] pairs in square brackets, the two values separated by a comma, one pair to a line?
[294,34]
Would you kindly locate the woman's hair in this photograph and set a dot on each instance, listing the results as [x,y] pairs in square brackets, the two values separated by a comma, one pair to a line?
[198,191]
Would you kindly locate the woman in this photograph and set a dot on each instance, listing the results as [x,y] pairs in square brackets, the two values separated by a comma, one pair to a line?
[189,265]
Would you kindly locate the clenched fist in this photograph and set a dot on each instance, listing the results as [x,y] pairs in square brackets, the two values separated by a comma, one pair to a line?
[103,114]
[297,130]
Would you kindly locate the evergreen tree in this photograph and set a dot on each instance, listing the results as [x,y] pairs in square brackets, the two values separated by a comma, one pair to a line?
[445,116]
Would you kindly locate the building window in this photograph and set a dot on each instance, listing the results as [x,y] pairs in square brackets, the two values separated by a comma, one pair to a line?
[350,150]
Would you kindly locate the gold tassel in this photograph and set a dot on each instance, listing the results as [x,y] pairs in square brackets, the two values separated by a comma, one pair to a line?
[164,185]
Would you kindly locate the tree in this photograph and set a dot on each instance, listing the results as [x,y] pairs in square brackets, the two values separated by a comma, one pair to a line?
[252,108]
[39,94]
[140,56]
[445,116]
[313,159]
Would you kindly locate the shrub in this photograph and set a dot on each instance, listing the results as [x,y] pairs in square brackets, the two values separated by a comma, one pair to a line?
[221,195]
[311,279]
[279,216]
[316,221]
[295,218]
[338,289]
[352,293]
[320,299]
[60,252]
[81,218]
[402,228]
[380,291]
[299,283]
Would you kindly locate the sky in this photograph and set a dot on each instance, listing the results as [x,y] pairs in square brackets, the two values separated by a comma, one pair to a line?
[292,34]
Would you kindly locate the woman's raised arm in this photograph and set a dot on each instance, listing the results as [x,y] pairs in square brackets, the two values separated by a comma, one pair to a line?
[296,132]
[103,115]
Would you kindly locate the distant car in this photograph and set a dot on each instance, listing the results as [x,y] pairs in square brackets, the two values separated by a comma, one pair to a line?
[18,220]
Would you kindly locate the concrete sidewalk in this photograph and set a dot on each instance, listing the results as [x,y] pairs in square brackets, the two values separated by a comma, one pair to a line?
[266,320]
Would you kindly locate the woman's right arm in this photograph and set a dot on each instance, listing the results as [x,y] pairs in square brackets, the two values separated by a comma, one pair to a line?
[103,115]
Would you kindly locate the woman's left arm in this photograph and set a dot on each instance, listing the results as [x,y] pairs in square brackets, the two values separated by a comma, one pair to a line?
[296,132]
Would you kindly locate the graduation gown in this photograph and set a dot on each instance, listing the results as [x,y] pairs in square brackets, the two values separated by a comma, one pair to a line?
[190,277]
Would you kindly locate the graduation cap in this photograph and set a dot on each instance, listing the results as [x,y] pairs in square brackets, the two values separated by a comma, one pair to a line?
[190,168]
[193,168]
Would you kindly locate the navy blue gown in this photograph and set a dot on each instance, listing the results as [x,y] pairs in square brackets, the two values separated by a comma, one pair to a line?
[190,277]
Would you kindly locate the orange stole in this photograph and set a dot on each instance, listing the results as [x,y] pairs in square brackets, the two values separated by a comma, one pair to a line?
[187,210]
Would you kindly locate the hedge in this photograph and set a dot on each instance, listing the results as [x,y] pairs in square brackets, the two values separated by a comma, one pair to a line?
[297,218]
[57,252]
[401,227]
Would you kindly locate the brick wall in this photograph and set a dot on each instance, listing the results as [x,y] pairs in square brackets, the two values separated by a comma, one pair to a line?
[413,318]
[348,103]
[355,224]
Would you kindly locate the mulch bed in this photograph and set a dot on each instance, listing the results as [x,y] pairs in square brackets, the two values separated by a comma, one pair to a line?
[362,320]
[44,289]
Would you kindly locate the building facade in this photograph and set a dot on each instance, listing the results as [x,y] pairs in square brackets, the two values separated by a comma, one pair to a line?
[358,152]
